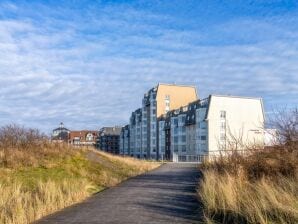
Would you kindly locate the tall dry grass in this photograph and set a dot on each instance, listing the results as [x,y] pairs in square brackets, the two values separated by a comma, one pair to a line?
[259,187]
[20,205]
[38,177]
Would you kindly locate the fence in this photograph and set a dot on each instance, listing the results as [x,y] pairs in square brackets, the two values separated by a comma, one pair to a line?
[189,158]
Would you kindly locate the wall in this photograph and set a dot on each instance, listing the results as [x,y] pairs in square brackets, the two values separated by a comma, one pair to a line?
[244,119]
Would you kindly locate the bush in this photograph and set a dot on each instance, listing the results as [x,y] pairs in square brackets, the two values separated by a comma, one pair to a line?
[258,185]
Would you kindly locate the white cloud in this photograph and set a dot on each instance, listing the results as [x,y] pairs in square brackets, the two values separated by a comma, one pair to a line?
[94,71]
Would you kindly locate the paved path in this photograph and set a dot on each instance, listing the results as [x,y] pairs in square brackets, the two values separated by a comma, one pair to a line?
[164,195]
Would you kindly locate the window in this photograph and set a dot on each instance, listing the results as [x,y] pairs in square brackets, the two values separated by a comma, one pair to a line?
[183,138]
[183,129]
[153,111]
[176,139]
[183,148]
[203,137]
[223,114]
[202,125]
[223,125]
[167,97]
[176,122]
[89,137]
[175,131]
[176,148]
[222,136]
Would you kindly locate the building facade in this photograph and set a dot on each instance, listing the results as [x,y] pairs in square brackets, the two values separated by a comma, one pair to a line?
[174,125]
[83,138]
[60,134]
[143,126]
[108,139]
[124,140]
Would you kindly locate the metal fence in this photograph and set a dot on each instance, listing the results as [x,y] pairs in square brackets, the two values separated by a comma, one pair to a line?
[189,158]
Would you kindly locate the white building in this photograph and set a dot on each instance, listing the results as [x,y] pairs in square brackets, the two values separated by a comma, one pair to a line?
[212,126]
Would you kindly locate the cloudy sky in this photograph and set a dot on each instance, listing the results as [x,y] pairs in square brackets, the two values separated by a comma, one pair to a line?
[88,63]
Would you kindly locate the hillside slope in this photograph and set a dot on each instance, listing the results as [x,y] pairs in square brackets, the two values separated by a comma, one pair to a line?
[37,181]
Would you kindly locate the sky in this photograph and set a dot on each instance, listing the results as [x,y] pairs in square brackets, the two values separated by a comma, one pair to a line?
[89,63]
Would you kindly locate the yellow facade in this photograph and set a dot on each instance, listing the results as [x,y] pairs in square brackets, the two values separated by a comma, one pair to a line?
[179,96]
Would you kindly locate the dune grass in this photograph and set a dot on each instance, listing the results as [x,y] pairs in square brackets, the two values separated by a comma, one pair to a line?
[261,187]
[45,177]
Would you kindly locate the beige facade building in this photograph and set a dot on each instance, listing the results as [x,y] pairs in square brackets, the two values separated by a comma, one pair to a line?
[143,127]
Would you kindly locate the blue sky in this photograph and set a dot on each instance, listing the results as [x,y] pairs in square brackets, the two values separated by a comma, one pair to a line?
[88,63]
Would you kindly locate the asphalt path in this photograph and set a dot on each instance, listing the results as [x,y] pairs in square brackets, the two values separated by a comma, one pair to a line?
[164,195]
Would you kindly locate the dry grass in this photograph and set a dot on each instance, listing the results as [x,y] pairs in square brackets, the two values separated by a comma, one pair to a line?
[228,199]
[19,205]
[257,188]
[38,177]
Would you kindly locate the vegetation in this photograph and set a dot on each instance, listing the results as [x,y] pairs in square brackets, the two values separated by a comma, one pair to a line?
[38,177]
[259,186]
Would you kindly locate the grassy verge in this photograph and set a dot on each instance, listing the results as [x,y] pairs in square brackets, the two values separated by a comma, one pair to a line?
[260,187]
[37,181]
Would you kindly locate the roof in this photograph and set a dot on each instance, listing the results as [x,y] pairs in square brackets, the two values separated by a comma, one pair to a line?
[60,129]
[173,84]
[242,97]
[82,134]
[111,130]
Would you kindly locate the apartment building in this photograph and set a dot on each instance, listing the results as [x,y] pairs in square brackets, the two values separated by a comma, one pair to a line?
[212,126]
[108,139]
[173,124]
[143,126]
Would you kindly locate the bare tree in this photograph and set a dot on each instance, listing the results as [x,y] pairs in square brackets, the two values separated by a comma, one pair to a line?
[15,136]
[286,123]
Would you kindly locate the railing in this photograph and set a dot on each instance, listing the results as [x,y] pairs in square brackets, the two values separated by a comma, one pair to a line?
[189,158]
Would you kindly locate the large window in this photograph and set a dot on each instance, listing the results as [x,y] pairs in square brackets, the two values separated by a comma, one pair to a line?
[223,114]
